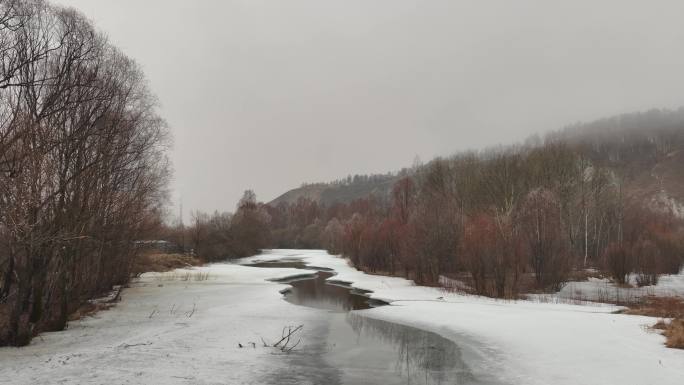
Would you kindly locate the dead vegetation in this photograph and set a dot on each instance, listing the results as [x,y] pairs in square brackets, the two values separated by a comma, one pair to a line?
[93,306]
[184,275]
[162,262]
[665,308]
[89,309]
[675,334]
[285,344]
[661,307]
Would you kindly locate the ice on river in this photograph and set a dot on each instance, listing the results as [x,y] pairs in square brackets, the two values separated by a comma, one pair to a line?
[525,342]
[174,328]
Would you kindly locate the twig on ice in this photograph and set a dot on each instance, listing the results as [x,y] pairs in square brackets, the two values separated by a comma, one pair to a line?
[293,346]
[126,346]
[190,313]
[288,335]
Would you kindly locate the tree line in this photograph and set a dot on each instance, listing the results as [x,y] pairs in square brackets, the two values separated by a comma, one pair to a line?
[82,167]
[506,220]
[223,235]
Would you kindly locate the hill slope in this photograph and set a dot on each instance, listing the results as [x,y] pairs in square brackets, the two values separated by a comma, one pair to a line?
[645,149]
[343,191]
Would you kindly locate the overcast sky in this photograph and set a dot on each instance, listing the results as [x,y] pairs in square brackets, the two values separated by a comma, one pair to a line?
[269,94]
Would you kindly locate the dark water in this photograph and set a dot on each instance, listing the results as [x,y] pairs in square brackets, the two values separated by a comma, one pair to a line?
[347,347]
[285,263]
[321,294]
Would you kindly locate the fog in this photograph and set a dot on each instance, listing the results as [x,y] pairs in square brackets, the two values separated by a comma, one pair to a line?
[269,94]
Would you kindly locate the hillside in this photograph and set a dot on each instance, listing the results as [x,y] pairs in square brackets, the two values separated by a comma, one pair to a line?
[644,149]
[342,191]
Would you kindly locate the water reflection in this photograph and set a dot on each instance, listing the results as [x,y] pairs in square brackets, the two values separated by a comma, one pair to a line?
[319,293]
[417,356]
[349,348]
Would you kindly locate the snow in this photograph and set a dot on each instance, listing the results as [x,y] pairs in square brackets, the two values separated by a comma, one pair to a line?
[595,289]
[664,202]
[539,343]
[154,336]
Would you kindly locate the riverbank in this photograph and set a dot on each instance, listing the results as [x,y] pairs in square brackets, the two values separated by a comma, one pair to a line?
[186,327]
[532,342]
[169,329]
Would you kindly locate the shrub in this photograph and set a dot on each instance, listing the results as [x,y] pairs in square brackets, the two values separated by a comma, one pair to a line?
[617,261]
[675,334]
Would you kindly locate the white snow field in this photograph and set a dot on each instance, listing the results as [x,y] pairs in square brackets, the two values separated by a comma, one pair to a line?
[595,289]
[153,336]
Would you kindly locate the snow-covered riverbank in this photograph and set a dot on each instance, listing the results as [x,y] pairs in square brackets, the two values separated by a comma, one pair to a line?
[153,336]
[530,343]
[184,328]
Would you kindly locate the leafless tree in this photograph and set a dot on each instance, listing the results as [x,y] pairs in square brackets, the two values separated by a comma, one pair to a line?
[82,165]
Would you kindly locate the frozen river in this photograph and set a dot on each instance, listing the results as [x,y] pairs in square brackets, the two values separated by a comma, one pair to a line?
[349,348]
[188,326]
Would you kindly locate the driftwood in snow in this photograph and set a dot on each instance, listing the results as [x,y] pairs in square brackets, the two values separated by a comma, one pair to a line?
[126,346]
[287,337]
[286,342]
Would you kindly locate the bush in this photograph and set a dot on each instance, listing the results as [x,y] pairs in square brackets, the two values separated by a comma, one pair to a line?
[617,261]
[675,334]
[647,260]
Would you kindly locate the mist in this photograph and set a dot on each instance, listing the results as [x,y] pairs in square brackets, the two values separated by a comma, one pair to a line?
[269,94]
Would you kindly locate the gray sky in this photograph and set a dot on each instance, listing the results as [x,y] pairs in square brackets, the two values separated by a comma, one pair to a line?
[269,94]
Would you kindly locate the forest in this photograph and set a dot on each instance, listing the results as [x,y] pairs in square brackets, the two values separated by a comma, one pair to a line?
[524,218]
[134,248]
[84,175]
[83,170]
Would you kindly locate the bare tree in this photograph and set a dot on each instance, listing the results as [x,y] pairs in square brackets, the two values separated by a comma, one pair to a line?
[82,165]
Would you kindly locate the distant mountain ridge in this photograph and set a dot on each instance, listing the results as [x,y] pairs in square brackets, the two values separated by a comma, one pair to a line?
[342,191]
[645,148]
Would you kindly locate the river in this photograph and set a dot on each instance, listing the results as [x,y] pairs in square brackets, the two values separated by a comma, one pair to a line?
[347,347]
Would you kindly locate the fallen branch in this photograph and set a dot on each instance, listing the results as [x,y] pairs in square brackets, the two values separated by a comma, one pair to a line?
[190,313]
[126,346]
[286,337]
[283,344]
[293,346]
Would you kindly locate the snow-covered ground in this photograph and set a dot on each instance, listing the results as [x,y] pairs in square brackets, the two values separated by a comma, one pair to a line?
[529,342]
[153,336]
[595,289]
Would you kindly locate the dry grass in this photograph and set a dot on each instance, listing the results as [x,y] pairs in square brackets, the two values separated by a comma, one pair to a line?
[661,307]
[665,307]
[675,334]
[183,276]
[159,262]
[89,309]
[580,275]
